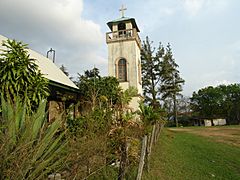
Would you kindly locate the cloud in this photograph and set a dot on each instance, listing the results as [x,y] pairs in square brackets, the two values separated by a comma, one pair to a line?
[168,11]
[57,24]
[194,7]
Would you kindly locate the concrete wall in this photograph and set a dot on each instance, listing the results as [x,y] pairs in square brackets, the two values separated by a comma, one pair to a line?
[130,51]
[134,104]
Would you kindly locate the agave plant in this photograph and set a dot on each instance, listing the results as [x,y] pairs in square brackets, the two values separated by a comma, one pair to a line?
[30,147]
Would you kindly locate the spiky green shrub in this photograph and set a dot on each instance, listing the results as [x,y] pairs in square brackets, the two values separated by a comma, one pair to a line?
[30,146]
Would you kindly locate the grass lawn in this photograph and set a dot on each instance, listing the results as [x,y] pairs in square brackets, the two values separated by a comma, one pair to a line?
[185,154]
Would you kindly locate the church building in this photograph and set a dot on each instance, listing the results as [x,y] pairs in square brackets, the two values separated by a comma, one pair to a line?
[124,60]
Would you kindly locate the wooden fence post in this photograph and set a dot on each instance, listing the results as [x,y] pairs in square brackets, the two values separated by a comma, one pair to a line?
[152,137]
[148,151]
[156,133]
[123,160]
[142,158]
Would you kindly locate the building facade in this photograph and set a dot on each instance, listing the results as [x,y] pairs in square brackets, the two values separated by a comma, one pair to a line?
[124,59]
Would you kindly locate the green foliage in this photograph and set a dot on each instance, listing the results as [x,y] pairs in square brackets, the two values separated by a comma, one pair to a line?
[148,115]
[161,78]
[77,125]
[20,76]
[105,129]
[218,102]
[124,97]
[171,82]
[30,147]
[151,116]
[97,120]
[97,90]
[206,102]
[151,75]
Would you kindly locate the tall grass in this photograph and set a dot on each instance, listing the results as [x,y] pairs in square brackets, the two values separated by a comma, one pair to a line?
[30,147]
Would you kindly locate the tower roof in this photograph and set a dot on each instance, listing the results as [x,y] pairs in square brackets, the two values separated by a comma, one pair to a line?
[123,19]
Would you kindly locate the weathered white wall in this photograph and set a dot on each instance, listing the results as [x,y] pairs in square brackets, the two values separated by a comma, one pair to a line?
[128,25]
[134,104]
[129,50]
[216,122]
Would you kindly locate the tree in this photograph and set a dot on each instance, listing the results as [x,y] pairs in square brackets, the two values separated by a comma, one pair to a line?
[20,76]
[184,111]
[222,101]
[207,103]
[64,70]
[151,72]
[171,82]
[97,90]
[231,103]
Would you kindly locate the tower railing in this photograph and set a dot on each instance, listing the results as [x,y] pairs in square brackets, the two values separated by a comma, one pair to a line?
[127,34]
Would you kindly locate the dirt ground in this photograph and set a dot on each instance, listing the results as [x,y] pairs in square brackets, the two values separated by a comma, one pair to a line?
[226,134]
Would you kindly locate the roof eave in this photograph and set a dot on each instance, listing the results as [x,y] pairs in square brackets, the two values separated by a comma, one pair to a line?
[65,87]
[110,23]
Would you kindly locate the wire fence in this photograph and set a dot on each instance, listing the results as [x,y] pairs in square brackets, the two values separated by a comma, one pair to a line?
[123,167]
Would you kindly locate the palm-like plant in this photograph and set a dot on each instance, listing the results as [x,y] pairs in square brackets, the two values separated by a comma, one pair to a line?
[30,146]
[20,75]
[148,115]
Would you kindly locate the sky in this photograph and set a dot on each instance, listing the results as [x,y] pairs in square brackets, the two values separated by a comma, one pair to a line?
[204,34]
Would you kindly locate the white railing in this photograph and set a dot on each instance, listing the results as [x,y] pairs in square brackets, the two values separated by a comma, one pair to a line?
[127,34]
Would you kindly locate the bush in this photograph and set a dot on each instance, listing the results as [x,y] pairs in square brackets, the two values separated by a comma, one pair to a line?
[30,146]
[20,76]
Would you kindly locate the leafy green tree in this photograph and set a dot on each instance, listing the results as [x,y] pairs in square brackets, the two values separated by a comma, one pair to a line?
[171,82]
[97,90]
[151,72]
[207,103]
[222,101]
[231,103]
[20,76]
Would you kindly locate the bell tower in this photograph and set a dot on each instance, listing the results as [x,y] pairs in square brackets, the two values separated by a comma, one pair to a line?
[124,61]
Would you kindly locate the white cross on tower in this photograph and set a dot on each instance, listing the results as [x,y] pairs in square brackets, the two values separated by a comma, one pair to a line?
[122,10]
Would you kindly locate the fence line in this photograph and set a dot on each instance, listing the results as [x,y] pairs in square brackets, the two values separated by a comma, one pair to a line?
[147,143]
[141,163]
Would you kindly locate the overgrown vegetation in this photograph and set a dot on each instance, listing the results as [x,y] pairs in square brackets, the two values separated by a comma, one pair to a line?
[106,138]
[104,141]
[30,147]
